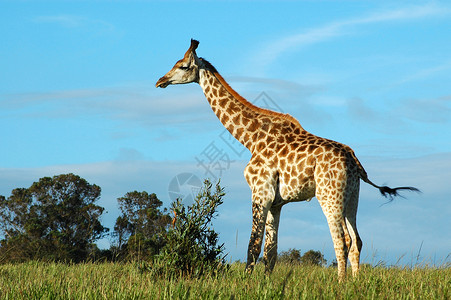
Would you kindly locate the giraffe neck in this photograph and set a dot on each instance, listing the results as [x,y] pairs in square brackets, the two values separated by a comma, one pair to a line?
[248,123]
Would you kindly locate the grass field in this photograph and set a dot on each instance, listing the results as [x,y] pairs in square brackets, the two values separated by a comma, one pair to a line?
[36,280]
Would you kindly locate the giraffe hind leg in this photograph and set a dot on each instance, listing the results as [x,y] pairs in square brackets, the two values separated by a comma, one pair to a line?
[351,225]
[356,246]
[347,238]
[337,234]
[335,220]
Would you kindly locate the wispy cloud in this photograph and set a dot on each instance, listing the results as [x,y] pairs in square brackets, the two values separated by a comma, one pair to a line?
[436,110]
[277,84]
[425,73]
[339,28]
[129,103]
[63,20]
[385,121]
[360,111]
[428,110]
[302,224]
[75,21]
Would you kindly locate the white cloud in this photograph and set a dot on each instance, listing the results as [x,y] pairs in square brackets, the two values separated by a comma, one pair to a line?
[405,120]
[339,28]
[126,103]
[425,73]
[264,84]
[75,21]
[357,109]
[388,231]
[427,110]
[63,20]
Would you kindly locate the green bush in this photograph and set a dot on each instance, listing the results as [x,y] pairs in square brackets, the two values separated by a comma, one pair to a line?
[191,248]
[291,256]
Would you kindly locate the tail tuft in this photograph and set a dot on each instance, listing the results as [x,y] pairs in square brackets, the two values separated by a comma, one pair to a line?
[393,192]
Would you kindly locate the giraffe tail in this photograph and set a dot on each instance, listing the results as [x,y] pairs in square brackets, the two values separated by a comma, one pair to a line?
[385,191]
[389,192]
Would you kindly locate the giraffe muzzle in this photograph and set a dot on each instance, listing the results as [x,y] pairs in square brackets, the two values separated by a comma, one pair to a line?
[162,82]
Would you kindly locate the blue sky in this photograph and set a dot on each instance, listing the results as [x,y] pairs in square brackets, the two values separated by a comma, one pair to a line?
[77,95]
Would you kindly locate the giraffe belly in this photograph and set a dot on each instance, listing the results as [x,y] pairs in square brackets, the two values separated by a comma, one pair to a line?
[296,190]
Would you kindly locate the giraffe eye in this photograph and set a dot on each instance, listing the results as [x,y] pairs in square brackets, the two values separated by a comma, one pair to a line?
[183,68]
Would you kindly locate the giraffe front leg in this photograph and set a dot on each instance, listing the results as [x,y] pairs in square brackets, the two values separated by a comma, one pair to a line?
[259,215]
[262,182]
[272,227]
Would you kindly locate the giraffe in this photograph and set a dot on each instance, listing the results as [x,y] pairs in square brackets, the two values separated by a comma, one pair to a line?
[288,164]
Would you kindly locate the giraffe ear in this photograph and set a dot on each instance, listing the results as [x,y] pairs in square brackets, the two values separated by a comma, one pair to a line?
[194,45]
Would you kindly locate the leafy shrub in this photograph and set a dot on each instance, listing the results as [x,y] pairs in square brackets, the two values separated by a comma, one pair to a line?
[191,248]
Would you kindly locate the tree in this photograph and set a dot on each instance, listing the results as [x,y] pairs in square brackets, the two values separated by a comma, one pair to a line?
[314,258]
[292,256]
[54,219]
[141,227]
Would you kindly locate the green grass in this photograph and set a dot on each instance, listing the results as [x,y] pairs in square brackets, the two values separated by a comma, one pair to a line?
[36,280]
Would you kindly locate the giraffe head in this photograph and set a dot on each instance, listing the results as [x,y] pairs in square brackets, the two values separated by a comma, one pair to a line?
[185,70]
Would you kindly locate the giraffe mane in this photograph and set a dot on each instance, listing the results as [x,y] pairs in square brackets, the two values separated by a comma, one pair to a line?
[263,111]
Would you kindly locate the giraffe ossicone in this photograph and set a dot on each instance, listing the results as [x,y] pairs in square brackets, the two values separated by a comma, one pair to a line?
[288,164]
